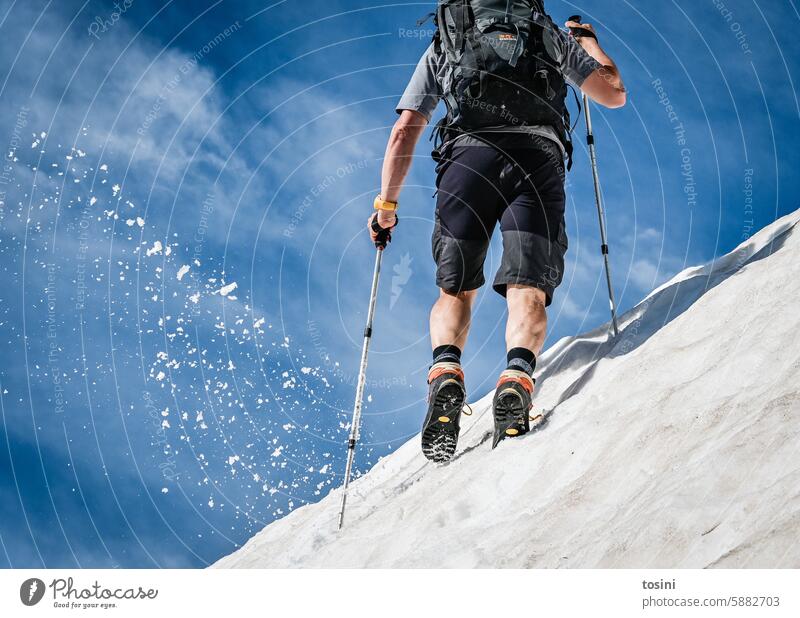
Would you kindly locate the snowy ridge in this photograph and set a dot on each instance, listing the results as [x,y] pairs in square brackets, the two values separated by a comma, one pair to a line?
[674,445]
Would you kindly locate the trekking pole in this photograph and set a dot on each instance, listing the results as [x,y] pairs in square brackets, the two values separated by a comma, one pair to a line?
[601,215]
[362,375]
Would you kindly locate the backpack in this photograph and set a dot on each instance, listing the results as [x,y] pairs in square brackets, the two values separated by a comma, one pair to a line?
[501,68]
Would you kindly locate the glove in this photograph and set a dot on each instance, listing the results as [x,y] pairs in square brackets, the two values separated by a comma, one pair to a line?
[381,236]
[580,30]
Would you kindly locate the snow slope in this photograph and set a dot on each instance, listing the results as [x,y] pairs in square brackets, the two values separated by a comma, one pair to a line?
[675,445]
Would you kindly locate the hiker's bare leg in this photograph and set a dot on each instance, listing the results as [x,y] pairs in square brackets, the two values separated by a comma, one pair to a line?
[450,318]
[527,318]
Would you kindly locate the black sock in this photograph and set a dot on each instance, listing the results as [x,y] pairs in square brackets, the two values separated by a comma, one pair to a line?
[521,359]
[447,354]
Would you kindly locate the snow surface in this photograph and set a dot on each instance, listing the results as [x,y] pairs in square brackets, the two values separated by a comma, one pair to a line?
[674,445]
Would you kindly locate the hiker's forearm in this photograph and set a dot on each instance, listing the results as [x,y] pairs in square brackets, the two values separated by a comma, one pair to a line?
[400,153]
[609,70]
[396,165]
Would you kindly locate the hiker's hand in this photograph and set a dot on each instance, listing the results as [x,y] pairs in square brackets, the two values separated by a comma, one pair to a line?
[581,37]
[380,226]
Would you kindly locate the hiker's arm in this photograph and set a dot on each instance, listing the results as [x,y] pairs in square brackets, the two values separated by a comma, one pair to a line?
[397,160]
[396,163]
[604,85]
[399,152]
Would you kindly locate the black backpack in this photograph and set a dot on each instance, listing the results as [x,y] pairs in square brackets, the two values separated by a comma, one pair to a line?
[501,68]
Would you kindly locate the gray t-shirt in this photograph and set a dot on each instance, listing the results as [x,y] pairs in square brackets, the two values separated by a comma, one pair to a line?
[424,90]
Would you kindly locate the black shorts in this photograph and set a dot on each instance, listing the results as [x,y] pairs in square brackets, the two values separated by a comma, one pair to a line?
[523,189]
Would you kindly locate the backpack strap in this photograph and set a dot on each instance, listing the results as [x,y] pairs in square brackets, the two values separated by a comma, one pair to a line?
[444,32]
[424,19]
[459,13]
[540,19]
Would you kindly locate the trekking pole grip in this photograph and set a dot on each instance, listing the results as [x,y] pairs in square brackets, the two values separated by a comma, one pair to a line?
[580,32]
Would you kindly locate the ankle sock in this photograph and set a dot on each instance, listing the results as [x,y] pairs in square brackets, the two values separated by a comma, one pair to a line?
[447,354]
[521,359]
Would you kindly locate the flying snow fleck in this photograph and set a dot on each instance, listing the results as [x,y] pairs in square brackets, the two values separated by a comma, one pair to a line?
[182,271]
[156,248]
[227,289]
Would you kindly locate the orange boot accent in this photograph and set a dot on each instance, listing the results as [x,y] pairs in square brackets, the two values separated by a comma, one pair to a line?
[520,377]
[440,369]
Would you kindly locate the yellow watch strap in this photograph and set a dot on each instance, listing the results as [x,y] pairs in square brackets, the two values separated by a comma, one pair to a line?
[382,204]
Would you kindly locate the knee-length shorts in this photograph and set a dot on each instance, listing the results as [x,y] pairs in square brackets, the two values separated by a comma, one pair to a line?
[523,190]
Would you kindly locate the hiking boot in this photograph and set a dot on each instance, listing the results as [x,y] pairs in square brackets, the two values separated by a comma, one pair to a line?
[446,396]
[512,404]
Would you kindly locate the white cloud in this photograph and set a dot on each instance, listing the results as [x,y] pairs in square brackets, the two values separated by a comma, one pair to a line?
[644,274]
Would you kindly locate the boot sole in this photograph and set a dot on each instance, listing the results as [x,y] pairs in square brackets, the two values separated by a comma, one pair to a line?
[440,433]
[510,418]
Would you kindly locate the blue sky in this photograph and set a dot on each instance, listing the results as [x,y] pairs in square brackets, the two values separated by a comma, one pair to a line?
[154,414]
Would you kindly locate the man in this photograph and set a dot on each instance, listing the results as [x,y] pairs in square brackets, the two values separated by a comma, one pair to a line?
[502,69]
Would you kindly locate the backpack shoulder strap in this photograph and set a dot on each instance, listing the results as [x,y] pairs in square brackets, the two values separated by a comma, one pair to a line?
[457,13]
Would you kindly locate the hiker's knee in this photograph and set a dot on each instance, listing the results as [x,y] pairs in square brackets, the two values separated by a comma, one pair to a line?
[465,296]
[525,298]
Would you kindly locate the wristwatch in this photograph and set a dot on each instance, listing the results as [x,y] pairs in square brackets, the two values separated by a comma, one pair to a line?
[382,204]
